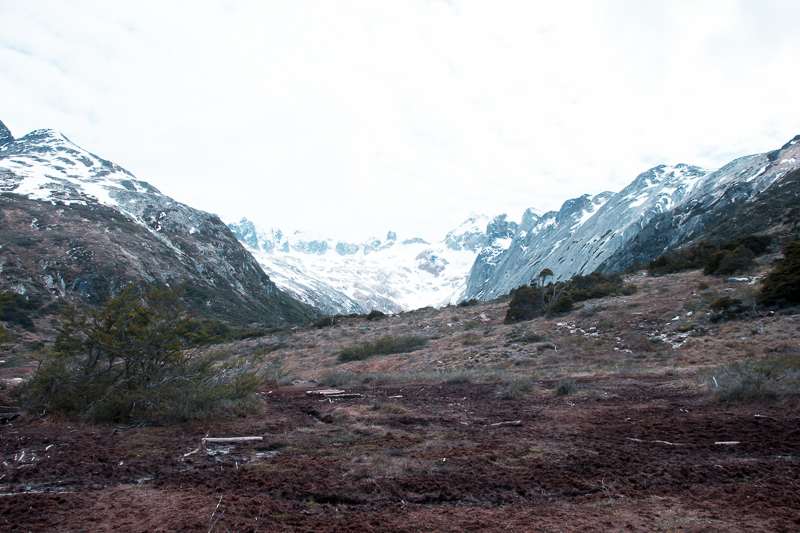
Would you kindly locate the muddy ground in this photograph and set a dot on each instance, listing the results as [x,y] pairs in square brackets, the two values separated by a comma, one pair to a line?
[622,453]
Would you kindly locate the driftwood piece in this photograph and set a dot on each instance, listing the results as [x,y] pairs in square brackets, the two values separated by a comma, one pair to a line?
[508,423]
[334,393]
[656,442]
[231,440]
[324,392]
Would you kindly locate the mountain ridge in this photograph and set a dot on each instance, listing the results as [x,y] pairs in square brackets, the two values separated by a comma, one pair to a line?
[77,227]
[663,207]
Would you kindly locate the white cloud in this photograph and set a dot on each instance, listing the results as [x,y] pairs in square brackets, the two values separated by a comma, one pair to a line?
[359,117]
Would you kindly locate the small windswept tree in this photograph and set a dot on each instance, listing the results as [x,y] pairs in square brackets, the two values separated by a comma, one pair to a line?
[136,359]
[552,300]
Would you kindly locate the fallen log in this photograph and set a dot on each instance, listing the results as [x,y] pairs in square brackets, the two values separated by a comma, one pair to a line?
[325,392]
[231,440]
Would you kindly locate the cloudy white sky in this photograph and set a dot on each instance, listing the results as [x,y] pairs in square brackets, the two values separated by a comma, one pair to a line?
[352,118]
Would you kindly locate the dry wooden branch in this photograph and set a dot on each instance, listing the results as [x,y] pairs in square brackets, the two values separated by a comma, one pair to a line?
[508,423]
[656,442]
[231,440]
[334,393]
[324,392]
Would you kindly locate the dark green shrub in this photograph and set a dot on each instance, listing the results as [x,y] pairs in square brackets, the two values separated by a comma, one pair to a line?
[735,261]
[469,303]
[17,309]
[782,284]
[384,346]
[375,315]
[726,258]
[217,330]
[724,303]
[5,336]
[528,303]
[562,305]
[324,322]
[135,360]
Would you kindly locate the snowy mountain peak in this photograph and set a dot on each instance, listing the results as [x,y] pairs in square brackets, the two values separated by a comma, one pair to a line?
[469,234]
[662,175]
[93,228]
[393,275]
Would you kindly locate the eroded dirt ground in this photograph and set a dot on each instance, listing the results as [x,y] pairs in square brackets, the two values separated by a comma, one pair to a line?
[623,453]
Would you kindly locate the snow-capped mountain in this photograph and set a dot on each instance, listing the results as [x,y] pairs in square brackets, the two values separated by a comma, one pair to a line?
[76,226]
[663,207]
[390,275]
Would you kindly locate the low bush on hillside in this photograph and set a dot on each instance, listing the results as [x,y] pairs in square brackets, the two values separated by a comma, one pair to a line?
[515,388]
[529,302]
[768,377]
[782,284]
[375,315]
[566,387]
[324,322]
[17,309]
[136,360]
[383,346]
[730,257]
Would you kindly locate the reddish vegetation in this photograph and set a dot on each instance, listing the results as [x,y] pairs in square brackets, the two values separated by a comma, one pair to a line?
[641,445]
[628,453]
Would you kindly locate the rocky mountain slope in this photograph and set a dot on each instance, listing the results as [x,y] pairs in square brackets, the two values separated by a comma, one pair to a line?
[77,228]
[484,258]
[662,208]
[391,275]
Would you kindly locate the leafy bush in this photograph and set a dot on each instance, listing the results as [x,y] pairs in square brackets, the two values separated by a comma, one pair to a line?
[137,360]
[526,304]
[782,285]
[383,346]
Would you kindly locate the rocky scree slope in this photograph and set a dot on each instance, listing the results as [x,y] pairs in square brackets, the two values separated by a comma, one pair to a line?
[390,275]
[75,228]
[662,208]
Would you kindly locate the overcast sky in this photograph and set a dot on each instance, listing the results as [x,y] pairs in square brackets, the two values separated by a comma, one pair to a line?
[352,118]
